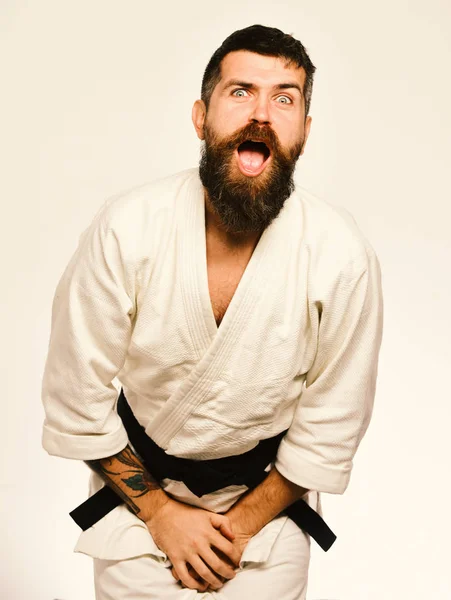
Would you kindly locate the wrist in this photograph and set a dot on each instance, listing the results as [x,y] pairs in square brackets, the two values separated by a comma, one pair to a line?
[240,525]
[154,502]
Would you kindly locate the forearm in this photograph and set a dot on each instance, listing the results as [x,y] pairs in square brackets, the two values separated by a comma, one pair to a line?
[262,504]
[126,475]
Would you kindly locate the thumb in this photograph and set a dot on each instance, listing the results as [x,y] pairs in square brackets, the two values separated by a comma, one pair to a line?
[223,524]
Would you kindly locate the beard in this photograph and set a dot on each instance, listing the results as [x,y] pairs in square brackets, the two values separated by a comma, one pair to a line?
[246,204]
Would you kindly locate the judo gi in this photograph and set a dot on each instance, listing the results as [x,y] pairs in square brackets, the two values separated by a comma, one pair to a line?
[297,350]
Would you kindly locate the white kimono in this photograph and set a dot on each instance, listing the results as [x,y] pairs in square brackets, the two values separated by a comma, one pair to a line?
[297,348]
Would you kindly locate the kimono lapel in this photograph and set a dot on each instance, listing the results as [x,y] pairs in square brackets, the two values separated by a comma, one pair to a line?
[213,346]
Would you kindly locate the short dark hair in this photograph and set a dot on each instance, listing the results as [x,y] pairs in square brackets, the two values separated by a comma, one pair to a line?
[268,41]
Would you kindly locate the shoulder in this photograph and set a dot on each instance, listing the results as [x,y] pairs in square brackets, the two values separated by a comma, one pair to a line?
[133,220]
[332,236]
[145,203]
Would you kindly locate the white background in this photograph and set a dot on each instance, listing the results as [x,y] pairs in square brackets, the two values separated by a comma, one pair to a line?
[96,97]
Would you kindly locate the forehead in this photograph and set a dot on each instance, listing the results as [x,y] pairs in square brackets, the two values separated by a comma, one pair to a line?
[259,69]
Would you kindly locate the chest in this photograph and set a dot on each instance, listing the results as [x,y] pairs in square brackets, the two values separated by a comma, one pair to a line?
[223,280]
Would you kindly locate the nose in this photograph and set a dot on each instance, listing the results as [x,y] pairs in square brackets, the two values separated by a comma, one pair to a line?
[260,112]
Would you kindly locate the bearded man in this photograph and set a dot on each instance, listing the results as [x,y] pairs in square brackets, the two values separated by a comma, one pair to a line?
[242,319]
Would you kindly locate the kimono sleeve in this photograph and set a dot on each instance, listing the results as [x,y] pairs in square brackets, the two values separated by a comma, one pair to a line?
[91,326]
[335,407]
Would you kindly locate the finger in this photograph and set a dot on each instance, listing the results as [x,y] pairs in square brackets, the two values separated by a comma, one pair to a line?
[187,579]
[224,558]
[223,524]
[227,548]
[204,571]
[219,565]
[193,573]
[227,531]
[197,577]
[174,574]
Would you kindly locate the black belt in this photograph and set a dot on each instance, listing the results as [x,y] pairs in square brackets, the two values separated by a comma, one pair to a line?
[201,477]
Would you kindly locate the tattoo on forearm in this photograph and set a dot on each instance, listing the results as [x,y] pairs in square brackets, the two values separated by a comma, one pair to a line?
[137,478]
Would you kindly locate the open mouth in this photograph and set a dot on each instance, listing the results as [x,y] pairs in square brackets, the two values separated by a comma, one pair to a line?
[253,157]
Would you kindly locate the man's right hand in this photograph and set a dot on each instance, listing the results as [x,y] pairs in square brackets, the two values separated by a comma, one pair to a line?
[187,535]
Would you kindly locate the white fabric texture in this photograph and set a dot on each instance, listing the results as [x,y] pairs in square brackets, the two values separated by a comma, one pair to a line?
[122,535]
[283,576]
[297,348]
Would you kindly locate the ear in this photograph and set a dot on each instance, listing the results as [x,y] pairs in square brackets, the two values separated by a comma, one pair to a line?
[308,124]
[198,115]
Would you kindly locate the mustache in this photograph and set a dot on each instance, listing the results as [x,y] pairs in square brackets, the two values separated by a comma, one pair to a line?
[253,131]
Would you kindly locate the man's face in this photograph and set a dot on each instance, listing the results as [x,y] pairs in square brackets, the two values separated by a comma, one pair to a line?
[254,132]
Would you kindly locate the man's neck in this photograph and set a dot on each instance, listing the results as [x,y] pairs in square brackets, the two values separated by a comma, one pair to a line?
[220,240]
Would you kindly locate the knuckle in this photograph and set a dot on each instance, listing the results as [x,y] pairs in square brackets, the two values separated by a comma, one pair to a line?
[197,545]
[203,571]
[223,544]
[217,565]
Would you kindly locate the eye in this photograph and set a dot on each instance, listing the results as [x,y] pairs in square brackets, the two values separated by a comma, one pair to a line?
[239,93]
[284,100]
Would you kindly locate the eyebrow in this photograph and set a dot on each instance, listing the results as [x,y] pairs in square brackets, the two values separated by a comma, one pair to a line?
[251,86]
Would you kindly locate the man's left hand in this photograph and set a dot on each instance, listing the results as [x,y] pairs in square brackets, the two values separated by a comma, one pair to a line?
[240,542]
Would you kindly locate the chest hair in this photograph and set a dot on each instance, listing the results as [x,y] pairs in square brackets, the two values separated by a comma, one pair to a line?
[222,284]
